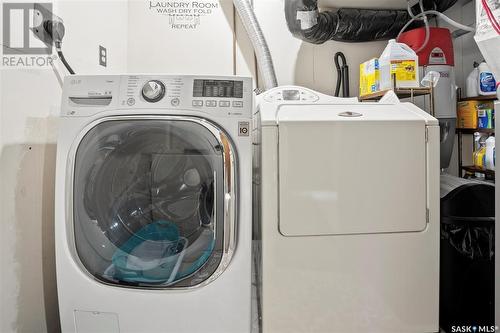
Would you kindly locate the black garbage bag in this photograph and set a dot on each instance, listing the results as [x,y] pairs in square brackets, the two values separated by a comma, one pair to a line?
[467,269]
[471,238]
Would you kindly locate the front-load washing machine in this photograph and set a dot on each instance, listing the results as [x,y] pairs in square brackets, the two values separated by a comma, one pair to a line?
[349,214]
[153,204]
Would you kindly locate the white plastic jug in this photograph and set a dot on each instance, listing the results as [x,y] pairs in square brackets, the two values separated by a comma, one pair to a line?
[401,60]
[471,88]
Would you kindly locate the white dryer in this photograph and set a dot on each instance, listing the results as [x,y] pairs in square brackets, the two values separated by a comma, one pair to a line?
[153,204]
[349,214]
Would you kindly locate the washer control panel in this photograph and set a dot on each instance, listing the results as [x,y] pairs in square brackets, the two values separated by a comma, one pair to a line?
[232,96]
[221,96]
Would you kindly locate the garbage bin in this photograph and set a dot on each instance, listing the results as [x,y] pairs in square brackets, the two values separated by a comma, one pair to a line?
[467,278]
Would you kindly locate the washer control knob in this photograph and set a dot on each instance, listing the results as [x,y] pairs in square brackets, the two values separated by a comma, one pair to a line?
[153,91]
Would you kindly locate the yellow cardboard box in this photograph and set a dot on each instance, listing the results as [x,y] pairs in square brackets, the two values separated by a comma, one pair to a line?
[369,77]
[467,112]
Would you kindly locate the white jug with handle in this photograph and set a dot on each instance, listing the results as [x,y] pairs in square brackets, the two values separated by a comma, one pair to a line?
[400,60]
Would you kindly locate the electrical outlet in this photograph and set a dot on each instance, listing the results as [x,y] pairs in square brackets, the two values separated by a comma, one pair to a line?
[103,56]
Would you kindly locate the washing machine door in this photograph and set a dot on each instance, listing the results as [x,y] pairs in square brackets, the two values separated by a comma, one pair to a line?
[151,201]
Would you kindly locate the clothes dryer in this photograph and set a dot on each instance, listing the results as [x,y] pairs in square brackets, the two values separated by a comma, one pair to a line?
[349,214]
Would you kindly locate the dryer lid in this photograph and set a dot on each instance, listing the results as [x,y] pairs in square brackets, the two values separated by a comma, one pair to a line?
[351,170]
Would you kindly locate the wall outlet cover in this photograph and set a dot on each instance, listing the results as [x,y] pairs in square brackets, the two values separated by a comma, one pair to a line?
[103,56]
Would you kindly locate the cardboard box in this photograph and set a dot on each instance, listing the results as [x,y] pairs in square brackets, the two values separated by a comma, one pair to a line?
[369,77]
[468,113]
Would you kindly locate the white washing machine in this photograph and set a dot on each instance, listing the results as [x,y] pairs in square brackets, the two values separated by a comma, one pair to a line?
[153,204]
[349,212]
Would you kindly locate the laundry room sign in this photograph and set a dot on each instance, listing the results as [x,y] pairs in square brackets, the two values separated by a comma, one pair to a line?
[184,15]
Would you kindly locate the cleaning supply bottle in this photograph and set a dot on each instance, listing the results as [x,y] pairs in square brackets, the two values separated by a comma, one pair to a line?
[477,140]
[486,81]
[490,153]
[479,156]
[400,60]
[471,87]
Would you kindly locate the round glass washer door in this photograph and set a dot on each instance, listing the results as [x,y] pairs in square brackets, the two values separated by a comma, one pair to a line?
[148,201]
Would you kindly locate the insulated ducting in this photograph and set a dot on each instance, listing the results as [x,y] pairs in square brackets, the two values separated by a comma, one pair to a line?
[306,22]
[264,59]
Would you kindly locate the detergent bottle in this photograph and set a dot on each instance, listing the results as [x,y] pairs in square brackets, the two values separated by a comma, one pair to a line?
[400,60]
[480,155]
[490,153]
[486,81]
[478,138]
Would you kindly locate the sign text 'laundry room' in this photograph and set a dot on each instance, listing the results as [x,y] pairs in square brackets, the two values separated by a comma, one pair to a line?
[184,14]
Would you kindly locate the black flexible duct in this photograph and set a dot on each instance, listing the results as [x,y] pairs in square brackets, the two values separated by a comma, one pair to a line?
[306,22]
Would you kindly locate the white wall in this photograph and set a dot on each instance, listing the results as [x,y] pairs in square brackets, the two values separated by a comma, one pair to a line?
[218,45]
[159,43]
[29,106]
[305,64]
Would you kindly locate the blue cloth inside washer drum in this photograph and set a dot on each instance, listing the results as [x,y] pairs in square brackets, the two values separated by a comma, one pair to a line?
[203,254]
[155,254]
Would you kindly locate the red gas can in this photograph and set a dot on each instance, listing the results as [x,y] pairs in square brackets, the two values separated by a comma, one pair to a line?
[439,49]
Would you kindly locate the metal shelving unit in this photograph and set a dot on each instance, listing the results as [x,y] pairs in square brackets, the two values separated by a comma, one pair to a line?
[479,98]
[410,93]
[472,170]
[468,170]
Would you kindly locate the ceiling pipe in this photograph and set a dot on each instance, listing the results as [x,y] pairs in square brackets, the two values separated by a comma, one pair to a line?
[306,22]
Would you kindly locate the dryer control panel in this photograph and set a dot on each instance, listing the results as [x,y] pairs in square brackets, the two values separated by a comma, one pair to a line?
[226,96]
[291,94]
